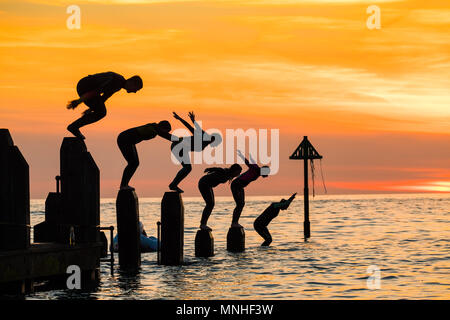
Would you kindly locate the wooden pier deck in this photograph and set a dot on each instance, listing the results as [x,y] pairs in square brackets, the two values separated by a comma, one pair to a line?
[20,269]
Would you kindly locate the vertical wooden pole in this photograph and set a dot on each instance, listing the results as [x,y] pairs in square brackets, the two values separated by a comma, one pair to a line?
[236,239]
[158,250]
[204,244]
[128,230]
[80,193]
[306,225]
[14,196]
[172,229]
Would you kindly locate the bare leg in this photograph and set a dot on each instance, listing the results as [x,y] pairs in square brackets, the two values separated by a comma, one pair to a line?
[208,195]
[129,152]
[239,198]
[263,232]
[88,117]
[187,168]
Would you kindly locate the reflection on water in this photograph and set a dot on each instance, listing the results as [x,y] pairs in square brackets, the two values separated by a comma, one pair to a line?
[406,236]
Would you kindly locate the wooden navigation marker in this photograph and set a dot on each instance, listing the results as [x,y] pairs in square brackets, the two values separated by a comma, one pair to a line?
[305,151]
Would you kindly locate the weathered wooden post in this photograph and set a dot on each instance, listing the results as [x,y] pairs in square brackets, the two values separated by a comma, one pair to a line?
[127,210]
[172,229]
[204,244]
[80,189]
[47,230]
[306,152]
[236,239]
[14,196]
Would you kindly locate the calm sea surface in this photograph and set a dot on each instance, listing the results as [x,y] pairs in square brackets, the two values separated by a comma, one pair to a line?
[406,236]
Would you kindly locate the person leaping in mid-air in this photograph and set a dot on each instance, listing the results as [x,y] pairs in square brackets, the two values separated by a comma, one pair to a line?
[94,90]
[181,146]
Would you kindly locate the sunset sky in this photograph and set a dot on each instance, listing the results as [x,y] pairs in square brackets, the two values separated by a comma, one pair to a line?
[374,103]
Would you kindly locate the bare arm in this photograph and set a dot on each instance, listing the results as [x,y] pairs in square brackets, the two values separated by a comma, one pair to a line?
[292,197]
[242,157]
[286,203]
[186,124]
[168,136]
[88,95]
[107,95]
[104,87]
[197,126]
[251,159]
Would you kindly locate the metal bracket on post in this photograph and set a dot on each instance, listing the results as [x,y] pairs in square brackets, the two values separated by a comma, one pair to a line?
[58,183]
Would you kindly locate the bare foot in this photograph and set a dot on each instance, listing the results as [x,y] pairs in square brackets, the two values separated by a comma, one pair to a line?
[126,188]
[175,188]
[266,243]
[76,132]
[236,225]
[205,227]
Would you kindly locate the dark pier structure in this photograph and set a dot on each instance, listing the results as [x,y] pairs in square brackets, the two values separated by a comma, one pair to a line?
[69,235]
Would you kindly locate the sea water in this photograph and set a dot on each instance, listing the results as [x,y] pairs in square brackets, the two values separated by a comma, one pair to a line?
[361,247]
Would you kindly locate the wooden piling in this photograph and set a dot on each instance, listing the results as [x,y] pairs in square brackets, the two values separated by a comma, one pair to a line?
[80,189]
[14,196]
[236,239]
[172,229]
[46,231]
[127,210]
[204,244]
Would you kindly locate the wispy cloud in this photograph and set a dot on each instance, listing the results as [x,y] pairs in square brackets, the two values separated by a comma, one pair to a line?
[307,67]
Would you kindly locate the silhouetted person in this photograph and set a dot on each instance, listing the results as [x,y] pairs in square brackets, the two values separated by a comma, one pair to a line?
[94,90]
[212,179]
[238,185]
[128,139]
[267,216]
[188,144]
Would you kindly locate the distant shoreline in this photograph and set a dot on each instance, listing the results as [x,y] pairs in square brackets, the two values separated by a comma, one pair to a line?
[317,196]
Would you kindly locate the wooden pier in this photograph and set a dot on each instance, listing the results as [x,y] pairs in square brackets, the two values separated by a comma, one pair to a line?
[69,235]
[20,270]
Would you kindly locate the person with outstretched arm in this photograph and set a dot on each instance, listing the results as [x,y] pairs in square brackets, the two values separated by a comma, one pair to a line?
[267,216]
[208,182]
[181,146]
[94,90]
[127,141]
[238,185]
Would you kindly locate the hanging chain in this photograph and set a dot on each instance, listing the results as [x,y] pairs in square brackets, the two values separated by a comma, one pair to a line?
[312,176]
[323,180]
